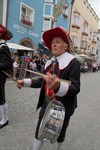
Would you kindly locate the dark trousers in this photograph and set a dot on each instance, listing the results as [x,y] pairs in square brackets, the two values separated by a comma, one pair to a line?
[2,92]
[61,137]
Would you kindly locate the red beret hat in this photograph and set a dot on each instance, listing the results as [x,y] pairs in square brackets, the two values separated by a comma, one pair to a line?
[58,31]
[5,34]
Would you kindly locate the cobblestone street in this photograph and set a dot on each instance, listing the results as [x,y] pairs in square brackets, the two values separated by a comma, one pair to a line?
[83,132]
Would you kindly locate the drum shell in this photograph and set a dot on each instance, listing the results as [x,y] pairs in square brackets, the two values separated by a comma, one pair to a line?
[52,121]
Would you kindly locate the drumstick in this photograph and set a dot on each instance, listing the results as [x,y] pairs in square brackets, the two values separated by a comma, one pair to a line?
[43,75]
[38,73]
[8,75]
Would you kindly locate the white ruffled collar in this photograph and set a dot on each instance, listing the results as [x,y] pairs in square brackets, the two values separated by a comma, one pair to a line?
[63,60]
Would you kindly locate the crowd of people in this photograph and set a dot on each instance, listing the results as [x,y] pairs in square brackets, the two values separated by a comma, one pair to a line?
[37,63]
[89,66]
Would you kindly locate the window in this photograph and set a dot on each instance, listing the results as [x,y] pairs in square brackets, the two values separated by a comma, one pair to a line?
[27,15]
[75,21]
[48,17]
[84,44]
[92,50]
[48,10]
[85,28]
[90,35]
[87,7]
[74,39]
[51,1]
[2,2]
[48,14]
[56,2]
[84,2]
[94,38]
[46,24]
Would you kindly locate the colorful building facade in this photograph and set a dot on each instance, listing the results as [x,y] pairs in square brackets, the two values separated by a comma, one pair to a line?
[84,27]
[27,20]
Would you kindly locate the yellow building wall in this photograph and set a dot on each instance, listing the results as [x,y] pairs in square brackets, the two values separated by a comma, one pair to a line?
[85,9]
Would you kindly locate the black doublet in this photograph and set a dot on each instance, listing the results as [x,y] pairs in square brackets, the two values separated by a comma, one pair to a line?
[69,70]
[5,64]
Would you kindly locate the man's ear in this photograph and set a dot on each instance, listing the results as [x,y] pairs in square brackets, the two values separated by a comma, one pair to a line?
[66,46]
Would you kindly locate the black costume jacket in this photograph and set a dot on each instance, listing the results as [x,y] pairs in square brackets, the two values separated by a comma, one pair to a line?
[69,70]
[5,60]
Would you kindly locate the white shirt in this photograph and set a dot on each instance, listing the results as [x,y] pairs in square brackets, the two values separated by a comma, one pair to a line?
[15,64]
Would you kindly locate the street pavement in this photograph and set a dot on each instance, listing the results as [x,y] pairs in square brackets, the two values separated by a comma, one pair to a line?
[83,132]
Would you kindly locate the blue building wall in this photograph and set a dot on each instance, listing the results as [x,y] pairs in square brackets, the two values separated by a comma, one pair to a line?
[19,31]
[34,34]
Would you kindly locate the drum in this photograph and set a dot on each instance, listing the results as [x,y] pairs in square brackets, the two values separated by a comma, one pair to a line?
[52,121]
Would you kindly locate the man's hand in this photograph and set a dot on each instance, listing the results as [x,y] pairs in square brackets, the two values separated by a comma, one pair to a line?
[52,81]
[20,83]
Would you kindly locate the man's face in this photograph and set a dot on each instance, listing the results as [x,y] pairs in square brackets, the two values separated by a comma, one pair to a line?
[58,46]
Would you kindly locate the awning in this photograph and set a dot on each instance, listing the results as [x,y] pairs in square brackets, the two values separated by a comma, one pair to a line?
[86,56]
[79,58]
[19,47]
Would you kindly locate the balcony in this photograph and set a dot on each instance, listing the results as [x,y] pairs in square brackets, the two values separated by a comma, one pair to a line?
[84,33]
[75,26]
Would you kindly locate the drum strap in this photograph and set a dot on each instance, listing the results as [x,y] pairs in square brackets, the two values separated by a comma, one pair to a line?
[54,69]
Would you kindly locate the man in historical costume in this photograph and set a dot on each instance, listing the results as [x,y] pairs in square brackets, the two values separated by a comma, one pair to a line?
[67,67]
[5,64]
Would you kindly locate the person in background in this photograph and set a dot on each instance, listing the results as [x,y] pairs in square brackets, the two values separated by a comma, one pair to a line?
[67,67]
[38,62]
[23,57]
[28,59]
[5,64]
[15,68]
[42,62]
[94,66]
[33,66]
